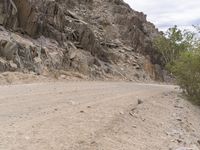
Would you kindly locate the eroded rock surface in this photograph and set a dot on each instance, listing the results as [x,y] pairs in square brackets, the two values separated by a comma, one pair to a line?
[98,38]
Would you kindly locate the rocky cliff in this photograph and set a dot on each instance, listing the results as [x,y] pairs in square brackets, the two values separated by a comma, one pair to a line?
[98,38]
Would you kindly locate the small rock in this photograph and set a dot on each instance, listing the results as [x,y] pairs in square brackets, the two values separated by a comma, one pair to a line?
[143,119]
[13,66]
[133,109]
[134,126]
[121,112]
[140,101]
[138,68]
[179,119]
[63,76]
[122,51]
[88,106]
[72,55]
[130,113]
[134,64]
[198,141]
[82,111]
[93,142]
[176,106]
[179,141]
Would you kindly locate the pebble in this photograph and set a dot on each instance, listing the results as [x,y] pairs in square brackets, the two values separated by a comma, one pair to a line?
[180,107]
[198,141]
[179,141]
[81,111]
[121,112]
[63,76]
[134,126]
[140,101]
[179,119]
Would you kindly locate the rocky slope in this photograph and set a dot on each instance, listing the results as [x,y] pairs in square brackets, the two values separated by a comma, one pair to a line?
[103,39]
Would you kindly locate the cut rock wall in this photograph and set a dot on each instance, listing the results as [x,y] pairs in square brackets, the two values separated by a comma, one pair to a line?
[98,38]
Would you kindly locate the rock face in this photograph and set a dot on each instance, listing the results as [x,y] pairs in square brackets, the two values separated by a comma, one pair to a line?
[98,38]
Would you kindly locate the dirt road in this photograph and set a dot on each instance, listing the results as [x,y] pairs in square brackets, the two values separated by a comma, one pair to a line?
[96,116]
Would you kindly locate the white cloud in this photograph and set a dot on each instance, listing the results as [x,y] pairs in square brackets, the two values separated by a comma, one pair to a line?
[167,13]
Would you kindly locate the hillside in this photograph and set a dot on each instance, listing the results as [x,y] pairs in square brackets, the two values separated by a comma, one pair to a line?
[100,39]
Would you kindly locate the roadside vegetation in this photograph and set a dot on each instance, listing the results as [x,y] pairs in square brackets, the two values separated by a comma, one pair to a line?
[180,54]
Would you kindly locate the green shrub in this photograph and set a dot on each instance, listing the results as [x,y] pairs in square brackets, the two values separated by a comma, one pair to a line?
[170,45]
[180,54]
[187,72]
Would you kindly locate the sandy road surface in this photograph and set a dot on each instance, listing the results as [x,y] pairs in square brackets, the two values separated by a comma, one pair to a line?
[96,116]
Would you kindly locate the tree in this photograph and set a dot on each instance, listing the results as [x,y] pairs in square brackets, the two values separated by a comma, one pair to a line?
[180,52]
[170,45]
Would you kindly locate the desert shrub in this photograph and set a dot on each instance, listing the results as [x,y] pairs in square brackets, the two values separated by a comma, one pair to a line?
[180,52]
[170,45]
[187,72]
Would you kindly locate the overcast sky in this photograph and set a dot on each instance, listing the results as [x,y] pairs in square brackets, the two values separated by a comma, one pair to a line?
[166,13]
